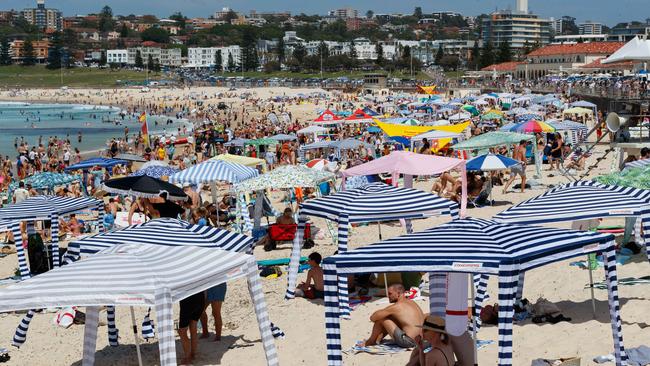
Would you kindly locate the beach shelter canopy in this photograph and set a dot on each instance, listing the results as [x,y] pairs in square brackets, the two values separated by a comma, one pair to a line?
[262,142]
[131,157]
[410,164]
[491,139]
[578,110]
[359,116]
[93,162]
[460,116]
[638,177]
[635,50]
[47,180]
[285,177]
[317,145]
[637,164]
[328,117]
[283,137]
[239,159]
[145,275]
[44,208]
[372,202]
[214,171]
[236,142]
[470,246]
[312,129]
[583,103]
[582,201]
[156,171]
[350,144]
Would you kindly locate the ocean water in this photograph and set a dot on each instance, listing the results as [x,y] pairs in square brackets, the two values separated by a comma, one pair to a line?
[97,124]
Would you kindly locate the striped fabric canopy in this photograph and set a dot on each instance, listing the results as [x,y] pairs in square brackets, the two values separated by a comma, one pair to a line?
[214,171]
[163,231]
[373,202]
[580,201]
[93,162]
[471,246]
[40,207]
[140,274]
[637,163]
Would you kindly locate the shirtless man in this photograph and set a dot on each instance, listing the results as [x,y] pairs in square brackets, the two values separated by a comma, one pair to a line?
[519,154]
[195,199]
[400,320]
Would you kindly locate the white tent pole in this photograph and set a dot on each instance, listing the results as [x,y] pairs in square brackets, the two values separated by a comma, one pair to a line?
[474,339]
[591,287]
[135,335]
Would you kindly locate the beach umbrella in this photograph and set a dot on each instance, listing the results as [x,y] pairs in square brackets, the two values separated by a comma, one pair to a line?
[528,116]
[532,126]
[637,164]
[236,142]
[460,116]
[131,157]
[47,180]
[312,129]
[318,164]
[491,116]
[156,171]
[239,159]
[214,171]
[144,186]
[471,109]
[410,122]
[93,162]
[261,142]
[151,163]
[491,162]
[285,177]
[373,129]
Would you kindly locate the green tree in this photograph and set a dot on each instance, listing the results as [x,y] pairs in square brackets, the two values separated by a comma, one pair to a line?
[487,54]
[370,14]
[70,40]
[5,56]
[124,31]
[138,60]
[150,62]
[102,59]
[475,54]
[230,16]
[218,60]
[439,55]
[156,66]
[353,54]
[29,58]
[379,50]
[248,46]
[281,50]
[299,53]
[54,54]
[180,19]
[504,53]
[231,62]
[417,13]
[106,22]
[155,34]
[449,62]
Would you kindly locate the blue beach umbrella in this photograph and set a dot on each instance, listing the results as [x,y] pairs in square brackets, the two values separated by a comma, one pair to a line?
[490,162]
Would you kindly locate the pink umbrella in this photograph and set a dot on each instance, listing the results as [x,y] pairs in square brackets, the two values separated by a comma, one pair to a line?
[410,164]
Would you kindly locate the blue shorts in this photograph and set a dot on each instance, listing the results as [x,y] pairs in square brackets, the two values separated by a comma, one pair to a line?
[217,293]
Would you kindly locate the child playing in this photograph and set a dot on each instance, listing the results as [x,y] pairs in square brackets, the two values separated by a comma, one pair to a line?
[315,275]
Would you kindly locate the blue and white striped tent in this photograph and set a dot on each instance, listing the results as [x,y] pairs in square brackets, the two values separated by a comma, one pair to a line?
[214,171]
[637,164]
[42,208]
[93,162]
[471,246]
[373,202]
[156,171]
[139,274]
[581,201]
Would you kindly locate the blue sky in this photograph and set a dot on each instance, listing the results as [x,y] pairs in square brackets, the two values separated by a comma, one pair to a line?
[608,12]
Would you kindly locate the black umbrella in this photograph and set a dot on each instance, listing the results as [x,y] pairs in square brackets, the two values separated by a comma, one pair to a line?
[144,186]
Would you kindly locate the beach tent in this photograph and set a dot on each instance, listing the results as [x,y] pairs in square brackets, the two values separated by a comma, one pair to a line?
[131,157]
[403,133]
[327,118]
[42,208]
[410,164]
[284,177]
[156,171]
[212,171]
[46,181]
[460,116]
[283,137]
[575,132]
[471,246]
[637,164]
[426,89]
[241,160]
[93,162]
[374,202]
[312,130]
[138,274]
[634,50]
[498,138]
[359,116]
[578,110]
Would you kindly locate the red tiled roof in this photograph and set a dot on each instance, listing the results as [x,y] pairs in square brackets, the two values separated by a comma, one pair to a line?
[616,65]
[591,48]
[504,66]
[150,44]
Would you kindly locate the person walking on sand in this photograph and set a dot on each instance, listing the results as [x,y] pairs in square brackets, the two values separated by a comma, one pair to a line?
[400,320]
[518,154]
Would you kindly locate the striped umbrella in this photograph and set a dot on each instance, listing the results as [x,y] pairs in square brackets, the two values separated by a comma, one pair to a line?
[532,126]
[490,162]
[471,246]
[156,171]
[214,171]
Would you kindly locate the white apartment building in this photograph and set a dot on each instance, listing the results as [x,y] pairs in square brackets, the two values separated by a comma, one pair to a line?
[205,56]
[117,56]
[590,28]
[164,56]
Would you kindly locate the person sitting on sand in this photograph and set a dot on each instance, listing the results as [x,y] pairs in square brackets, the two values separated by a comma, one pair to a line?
[433,348]
[400,320]
[74,225]
[315,275]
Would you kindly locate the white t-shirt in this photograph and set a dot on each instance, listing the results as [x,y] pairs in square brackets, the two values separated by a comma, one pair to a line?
[66,156]
[21,194]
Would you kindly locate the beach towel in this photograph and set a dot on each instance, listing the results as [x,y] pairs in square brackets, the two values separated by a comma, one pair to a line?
[628,281]
[383,348]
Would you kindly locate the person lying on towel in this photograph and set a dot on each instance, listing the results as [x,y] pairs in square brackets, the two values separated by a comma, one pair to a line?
[400,320]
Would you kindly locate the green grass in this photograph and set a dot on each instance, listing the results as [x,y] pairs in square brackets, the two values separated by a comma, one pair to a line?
[39,76]
[454,74]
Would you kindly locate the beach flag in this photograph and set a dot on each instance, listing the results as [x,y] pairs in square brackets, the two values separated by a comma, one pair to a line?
[144,128]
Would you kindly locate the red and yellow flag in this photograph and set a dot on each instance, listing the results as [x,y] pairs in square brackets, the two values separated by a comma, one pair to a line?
[144,128]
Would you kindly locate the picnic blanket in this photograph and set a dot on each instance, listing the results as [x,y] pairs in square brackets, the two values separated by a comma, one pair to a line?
[388,347]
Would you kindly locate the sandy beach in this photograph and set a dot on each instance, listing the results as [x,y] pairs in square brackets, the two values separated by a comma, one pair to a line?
[303,320]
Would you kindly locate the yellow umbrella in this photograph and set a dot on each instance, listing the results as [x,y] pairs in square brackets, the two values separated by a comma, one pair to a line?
[243,160]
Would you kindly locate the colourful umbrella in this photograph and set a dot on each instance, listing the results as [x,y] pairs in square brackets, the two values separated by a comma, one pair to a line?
[532,126]
[471,109]
[491,116]
[318,164]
